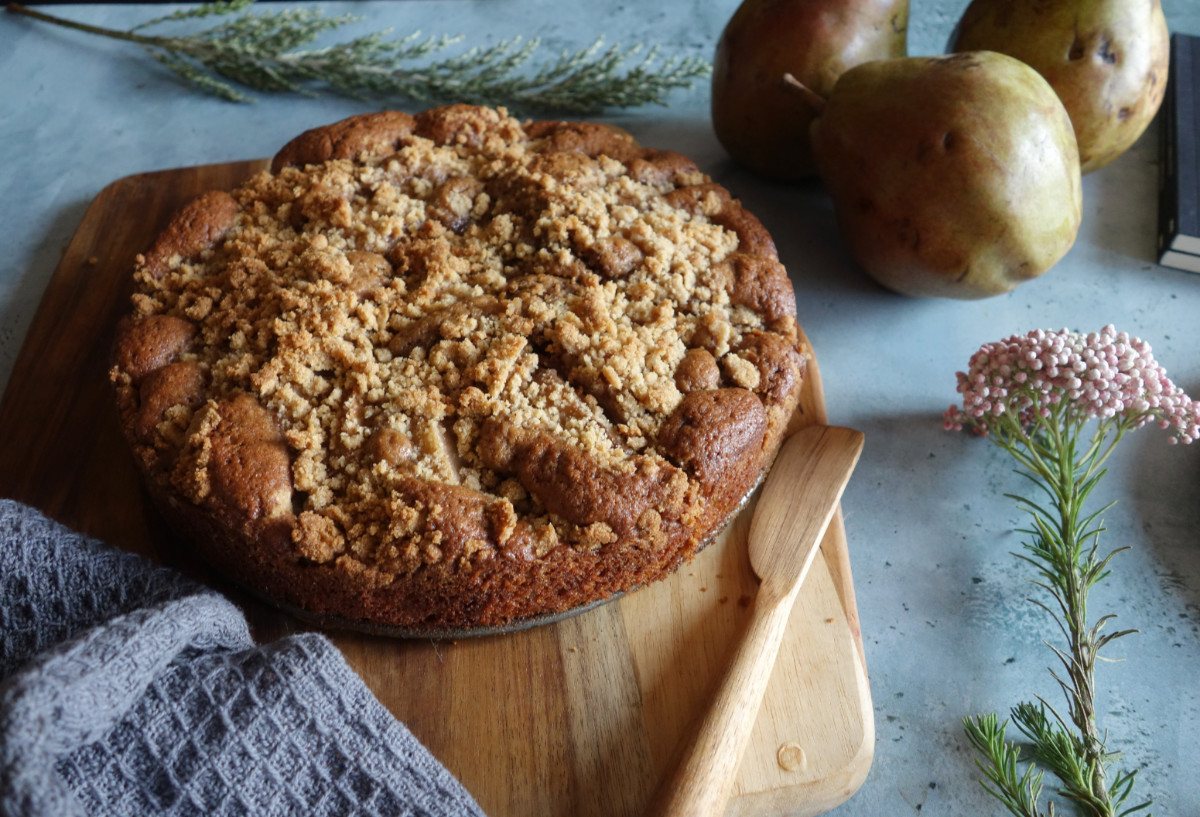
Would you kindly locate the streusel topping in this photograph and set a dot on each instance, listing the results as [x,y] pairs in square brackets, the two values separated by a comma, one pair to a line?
[437,312]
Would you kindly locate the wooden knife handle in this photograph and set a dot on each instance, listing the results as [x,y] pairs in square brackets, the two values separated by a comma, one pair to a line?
[702,780]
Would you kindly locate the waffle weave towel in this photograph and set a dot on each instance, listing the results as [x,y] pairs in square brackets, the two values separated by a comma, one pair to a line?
[128,689]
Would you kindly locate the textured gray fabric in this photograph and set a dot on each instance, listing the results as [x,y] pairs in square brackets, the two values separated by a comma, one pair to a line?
[127,689]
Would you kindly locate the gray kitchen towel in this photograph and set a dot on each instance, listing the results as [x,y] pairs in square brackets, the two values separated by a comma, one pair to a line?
[126,689]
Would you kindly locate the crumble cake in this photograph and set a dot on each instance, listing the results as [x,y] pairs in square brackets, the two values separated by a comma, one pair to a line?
[453,371]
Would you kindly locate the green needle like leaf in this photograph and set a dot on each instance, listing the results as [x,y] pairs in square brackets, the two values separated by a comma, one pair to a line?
[269,52]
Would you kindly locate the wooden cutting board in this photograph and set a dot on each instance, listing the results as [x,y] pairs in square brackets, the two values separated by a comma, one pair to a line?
[574,719]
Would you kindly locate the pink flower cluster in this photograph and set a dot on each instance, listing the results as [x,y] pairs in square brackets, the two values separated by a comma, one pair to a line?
[1100,375]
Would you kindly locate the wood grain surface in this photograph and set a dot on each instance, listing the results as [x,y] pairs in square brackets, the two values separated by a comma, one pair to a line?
[575,719]
[792,513]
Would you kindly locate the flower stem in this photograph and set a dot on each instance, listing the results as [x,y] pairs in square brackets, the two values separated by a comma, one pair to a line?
[17,8]
[1070,564]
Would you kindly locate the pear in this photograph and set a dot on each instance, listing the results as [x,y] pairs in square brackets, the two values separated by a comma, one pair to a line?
[953,176]
[1107,59]
[754,116]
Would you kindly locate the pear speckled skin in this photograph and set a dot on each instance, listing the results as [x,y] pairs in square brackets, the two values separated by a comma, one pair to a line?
[954,176]
[760,122]
[1106,59]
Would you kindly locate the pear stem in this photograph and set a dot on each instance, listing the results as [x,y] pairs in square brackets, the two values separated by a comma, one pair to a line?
[811,98]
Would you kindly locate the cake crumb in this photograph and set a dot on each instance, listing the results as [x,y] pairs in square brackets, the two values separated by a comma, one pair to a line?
[472,334]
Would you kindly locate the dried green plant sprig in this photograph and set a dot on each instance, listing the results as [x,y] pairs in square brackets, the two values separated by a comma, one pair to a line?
[266,52]
[1058,403]
[1018,790]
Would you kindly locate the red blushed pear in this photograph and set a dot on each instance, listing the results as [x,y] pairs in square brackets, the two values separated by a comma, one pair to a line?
[753,115]
[954,176]
[1106,59]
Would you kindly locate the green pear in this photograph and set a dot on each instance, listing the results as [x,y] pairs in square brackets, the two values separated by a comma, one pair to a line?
[1107,59]
[953,176]
[754,116]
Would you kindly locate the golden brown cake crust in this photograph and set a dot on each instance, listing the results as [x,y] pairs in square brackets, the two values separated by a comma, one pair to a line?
[453,371]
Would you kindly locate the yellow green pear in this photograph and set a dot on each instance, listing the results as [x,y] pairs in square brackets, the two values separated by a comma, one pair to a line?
[1107,59]
[953,176]
[754,116]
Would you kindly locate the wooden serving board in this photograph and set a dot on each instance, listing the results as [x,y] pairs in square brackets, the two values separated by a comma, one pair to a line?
[574,719]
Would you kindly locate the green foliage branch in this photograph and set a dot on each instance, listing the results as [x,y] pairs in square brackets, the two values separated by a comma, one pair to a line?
[268,52]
